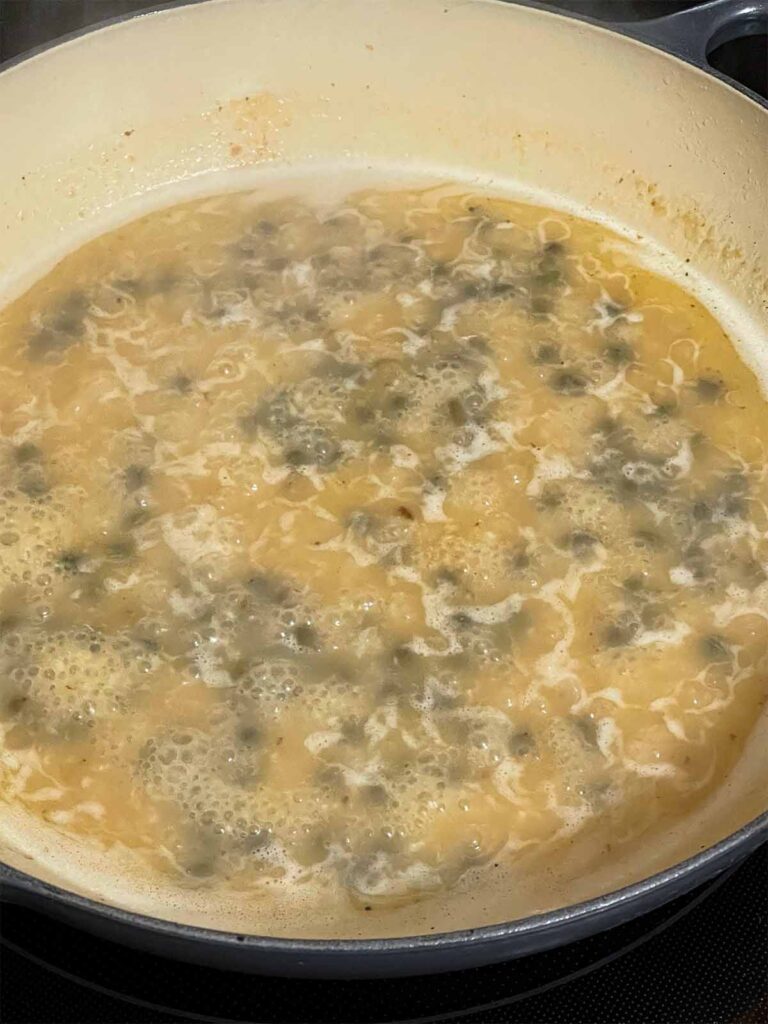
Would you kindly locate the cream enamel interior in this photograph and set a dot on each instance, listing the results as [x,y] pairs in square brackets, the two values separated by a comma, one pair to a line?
[511,99]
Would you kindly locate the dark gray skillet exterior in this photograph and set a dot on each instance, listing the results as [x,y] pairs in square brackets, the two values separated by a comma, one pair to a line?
[691,35]
[371,958]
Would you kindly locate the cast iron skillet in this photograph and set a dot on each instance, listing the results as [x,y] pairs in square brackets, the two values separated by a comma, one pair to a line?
[691,35]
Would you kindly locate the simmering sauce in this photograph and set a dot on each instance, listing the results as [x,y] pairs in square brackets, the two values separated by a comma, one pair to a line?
[354,547]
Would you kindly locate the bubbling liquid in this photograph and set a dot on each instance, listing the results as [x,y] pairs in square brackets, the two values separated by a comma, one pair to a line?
[358,548]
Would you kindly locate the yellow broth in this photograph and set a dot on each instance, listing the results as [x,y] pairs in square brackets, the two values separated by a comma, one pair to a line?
[359,547]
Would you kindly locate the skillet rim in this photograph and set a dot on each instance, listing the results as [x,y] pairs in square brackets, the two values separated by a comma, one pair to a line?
[618,28]
[687,873]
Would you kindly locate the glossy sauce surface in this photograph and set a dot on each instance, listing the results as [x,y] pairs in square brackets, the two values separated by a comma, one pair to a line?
[357,547]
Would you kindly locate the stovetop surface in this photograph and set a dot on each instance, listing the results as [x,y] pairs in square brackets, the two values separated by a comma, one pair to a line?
[702,959]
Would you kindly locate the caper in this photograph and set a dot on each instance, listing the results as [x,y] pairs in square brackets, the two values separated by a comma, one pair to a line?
[135,476]
[619,353]
[568,382]
[586,729]
[709,389]
[521,743]
[715,648]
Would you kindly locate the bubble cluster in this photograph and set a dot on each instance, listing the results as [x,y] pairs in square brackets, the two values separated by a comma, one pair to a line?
[32,533]
[63,683]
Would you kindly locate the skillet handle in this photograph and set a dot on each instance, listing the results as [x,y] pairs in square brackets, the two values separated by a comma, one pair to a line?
[693,34]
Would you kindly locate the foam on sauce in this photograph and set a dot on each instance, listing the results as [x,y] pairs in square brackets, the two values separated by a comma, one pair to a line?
[359,549]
